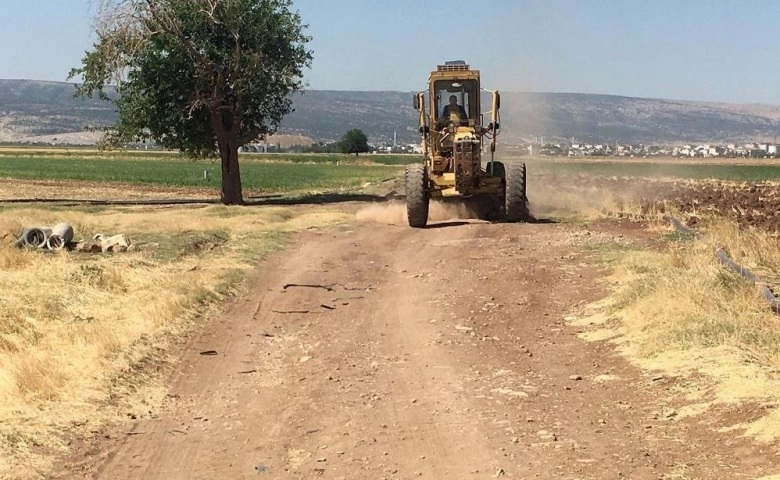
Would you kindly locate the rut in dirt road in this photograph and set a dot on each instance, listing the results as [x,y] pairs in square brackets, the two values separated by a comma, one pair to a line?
[439,353]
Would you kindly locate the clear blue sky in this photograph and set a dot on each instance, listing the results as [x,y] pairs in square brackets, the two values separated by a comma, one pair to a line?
[714,50]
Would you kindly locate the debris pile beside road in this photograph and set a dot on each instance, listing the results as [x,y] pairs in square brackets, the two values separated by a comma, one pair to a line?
[61,236]
[103,243]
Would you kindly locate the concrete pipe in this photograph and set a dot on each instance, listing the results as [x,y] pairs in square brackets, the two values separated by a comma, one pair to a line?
[36,237]
[22,240]
[61,235]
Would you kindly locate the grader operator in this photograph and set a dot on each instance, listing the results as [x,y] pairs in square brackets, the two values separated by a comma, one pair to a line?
[453,136]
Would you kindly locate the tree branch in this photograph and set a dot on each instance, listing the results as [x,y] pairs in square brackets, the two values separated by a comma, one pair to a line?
[253,133]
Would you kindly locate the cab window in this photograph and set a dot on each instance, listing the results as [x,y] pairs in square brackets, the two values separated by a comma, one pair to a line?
[464,92]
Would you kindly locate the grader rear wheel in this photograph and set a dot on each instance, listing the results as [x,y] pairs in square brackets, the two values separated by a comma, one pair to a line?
[515,198]
[417,196]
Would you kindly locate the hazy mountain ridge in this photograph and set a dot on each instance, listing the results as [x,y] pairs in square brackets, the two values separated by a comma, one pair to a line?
[30,109]
[600,118]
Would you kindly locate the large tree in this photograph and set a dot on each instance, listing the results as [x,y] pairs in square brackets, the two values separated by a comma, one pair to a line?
[201,76]
[354,141]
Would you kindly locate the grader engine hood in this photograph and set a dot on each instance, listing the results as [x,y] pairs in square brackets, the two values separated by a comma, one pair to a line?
[466,160]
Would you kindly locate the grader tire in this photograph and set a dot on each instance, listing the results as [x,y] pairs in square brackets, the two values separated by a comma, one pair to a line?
[515,198]
[417,198]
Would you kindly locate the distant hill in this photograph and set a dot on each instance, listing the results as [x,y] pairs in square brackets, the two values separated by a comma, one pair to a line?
[600,118]
[34,110]
[30,109]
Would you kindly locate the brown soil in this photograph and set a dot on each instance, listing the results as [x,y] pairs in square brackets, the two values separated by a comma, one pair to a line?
[749,204]
[436,353]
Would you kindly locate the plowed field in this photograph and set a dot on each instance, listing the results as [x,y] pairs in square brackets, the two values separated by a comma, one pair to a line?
[750,204]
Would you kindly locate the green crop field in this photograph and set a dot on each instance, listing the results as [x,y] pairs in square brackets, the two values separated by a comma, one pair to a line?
[331,158]
[276,173]
[259,176]
[93,153]
[747,173]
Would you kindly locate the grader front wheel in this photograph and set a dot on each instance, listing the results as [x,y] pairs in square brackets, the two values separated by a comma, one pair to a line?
[417,197]
[515,198]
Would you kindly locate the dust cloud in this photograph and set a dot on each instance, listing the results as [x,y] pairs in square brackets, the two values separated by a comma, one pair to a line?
[395,213]
[549,197]
[580,196]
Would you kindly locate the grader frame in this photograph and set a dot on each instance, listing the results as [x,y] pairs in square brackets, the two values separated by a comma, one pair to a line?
[453,139]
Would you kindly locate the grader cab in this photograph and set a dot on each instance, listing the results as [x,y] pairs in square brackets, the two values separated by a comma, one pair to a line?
[454,134]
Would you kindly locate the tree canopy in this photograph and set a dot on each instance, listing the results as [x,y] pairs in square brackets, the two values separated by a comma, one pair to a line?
[354,141]
[202,76]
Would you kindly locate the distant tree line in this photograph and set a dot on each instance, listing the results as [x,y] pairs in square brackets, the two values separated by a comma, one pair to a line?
[319,147]
[353,141]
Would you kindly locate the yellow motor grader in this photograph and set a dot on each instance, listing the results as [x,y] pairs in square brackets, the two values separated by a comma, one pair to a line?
[454,134]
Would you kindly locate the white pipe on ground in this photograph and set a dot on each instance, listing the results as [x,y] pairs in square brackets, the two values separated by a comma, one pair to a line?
[61,235]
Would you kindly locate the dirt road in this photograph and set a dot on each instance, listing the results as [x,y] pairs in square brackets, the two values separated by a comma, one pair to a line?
[441,353]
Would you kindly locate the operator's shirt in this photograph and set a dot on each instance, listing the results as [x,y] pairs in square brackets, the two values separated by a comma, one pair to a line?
[456,115]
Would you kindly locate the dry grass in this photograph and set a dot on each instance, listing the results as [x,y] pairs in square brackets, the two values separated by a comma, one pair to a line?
[680,312]
[74,325]
[753,247]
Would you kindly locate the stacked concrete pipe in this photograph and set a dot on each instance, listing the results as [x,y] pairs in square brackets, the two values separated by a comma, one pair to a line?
[55,238]
[34,237]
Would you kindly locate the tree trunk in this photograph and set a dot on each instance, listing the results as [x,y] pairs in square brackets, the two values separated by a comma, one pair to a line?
[231,176]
